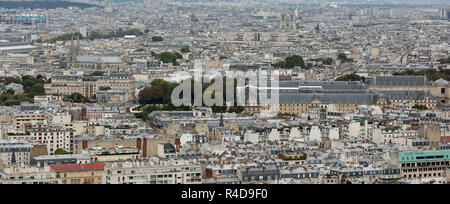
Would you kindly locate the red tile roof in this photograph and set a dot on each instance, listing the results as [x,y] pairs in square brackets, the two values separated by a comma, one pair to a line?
[74,167]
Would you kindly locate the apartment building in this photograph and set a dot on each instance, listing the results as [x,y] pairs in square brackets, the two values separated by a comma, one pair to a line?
[54,137]
[47,160]
[15,151]
[424,164]
[118,153]
[88,86]
[393,136]
[179,172]
[111,97]
[28,175]
[258,175]
[28,119]
[79,173]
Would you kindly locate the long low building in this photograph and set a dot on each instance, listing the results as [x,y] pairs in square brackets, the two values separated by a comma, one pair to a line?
[95,62]
[90,86]
[296,98]
[90,173]
[148,173]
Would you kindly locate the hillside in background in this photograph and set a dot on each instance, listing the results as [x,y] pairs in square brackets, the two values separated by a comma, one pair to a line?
[52,4]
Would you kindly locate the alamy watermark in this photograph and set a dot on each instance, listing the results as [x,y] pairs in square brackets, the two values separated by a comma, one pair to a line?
[252,88]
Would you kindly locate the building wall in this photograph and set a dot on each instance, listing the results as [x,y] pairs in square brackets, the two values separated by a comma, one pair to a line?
[442,93]
[81,177]
[53,138]
[148,146]
[90,88]
[179,174]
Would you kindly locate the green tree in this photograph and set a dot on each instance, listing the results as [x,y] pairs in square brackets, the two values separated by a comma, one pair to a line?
[157,39]
[10,91]
[38,89]
[114,34]
[145,111]
[11,102]
[178,55]
[420,107]
[66,37]
[167,57]
[445,60]
[350,77]
[295,60]
[343,58]
[61,151]
[185,50]
[77,98]
[27,90]
[328,61]
[150,95]
[104,88]
[325,61]
[10,80]
[235,109]
[280,64]
[219,109]
[10,98]
[97,73]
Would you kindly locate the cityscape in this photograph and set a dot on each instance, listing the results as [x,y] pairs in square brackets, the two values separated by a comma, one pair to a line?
[224,92]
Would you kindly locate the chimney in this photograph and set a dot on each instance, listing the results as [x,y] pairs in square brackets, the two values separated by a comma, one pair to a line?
[178,144]
[84,144]
[139,143]
[83,113]
[144,148]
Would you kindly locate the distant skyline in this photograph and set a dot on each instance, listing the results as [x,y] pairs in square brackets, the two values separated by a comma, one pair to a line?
[306,1]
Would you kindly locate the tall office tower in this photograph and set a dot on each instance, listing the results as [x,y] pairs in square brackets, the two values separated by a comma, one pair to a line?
[444,13]
[297,13]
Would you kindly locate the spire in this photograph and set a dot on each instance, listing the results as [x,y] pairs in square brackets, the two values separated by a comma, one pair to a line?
[221,124]
[13,158]
[73,49]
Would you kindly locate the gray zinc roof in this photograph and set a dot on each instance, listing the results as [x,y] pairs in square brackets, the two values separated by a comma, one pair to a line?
[328,98]
[400,81]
